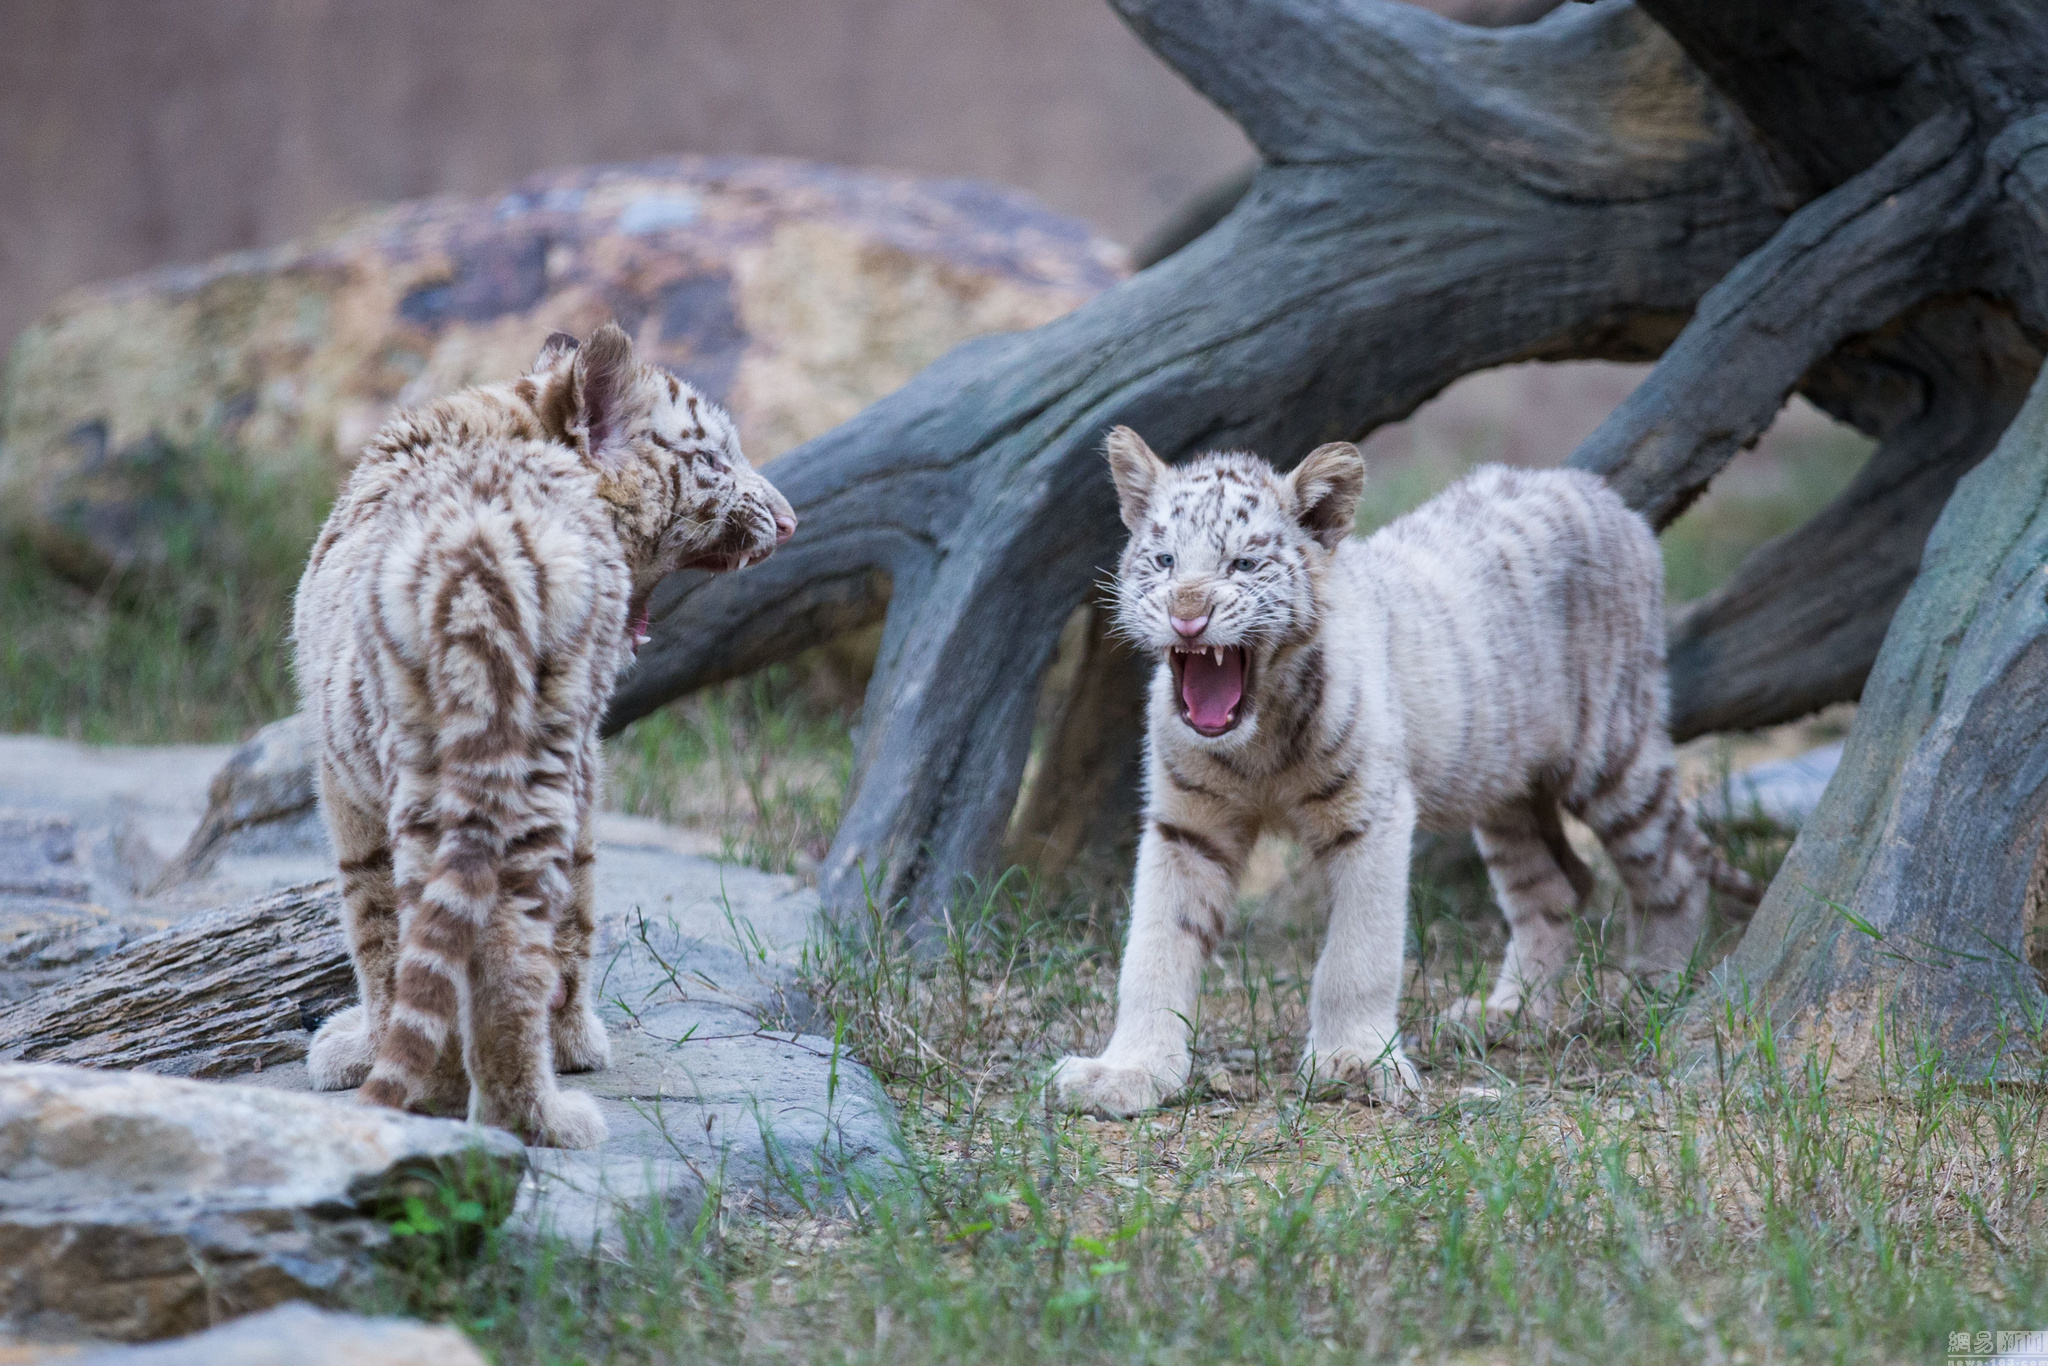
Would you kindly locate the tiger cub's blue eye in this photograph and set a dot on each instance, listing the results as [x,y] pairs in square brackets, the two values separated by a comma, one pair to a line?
[1163,561]
[1243,565]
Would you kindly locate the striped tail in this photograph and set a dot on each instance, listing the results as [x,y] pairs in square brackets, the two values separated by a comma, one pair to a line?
[457,804]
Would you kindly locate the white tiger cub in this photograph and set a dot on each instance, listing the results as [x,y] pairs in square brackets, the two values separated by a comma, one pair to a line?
[463,618]
[1487,659]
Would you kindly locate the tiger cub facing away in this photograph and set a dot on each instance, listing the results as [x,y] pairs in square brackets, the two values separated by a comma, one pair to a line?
[466,611]
[1487,660]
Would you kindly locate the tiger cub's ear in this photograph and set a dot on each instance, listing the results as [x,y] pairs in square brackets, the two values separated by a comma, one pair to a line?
[604,371]
[558,345]
[1325,488]
[1136,471]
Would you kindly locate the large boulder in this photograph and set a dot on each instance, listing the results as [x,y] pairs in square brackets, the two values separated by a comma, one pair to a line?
[264,800]
[135,1206]
[795,293]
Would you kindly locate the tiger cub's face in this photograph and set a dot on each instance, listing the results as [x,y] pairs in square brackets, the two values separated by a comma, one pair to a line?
[1221,566]
[667,459]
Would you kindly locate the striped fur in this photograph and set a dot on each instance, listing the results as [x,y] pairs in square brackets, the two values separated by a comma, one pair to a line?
[1491,659]
[466,611]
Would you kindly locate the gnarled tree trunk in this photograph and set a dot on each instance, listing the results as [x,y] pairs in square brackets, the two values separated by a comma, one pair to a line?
[1590,198]
[1912,898]
[1841,197]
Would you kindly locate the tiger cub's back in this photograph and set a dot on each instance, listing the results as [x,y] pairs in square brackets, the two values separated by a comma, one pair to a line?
[1525,619]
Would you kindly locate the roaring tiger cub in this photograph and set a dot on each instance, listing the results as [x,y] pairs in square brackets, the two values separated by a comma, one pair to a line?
[1490,658]
[464,616]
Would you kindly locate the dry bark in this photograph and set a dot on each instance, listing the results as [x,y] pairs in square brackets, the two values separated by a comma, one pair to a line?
[1799,623]
[1903,908]
[226,992]
[1566,190]
[1080,813]
[1843,197]
[1850,261]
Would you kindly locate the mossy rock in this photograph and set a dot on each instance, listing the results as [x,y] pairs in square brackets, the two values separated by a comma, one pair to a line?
[795,293]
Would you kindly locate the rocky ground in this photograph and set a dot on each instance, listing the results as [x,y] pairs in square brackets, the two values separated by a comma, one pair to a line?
[168,909]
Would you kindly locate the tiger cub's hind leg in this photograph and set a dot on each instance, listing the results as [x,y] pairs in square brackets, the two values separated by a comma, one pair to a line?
[345,1045]
[1663,859]
[508,1037]
[580,1042]
[1540,885]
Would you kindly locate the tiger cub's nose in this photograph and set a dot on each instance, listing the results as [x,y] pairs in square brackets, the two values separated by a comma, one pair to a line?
[1189,628]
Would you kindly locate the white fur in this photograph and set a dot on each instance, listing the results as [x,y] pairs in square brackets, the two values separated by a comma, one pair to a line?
[1487,660]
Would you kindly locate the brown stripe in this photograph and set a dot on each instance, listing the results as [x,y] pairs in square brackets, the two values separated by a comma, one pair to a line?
[372,862]
[1524,883]
[1616,775]
[1222,759]
[382,1091]
[1186,784]
[1339,841]
[471,869]
[427,991]
[1619,831]
[1307,707]
[1343,738]
[1669,844]
[447,937]
[415,674]
[1207,935]
[1551,828]
[408,1051]
[1200,844]
[533,562]
[1335,786]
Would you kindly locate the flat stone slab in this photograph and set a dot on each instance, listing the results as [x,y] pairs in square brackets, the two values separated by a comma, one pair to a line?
[128,809]
[39,857]
[297,1335]
[721,1083]
[135,1206]
[1783,790]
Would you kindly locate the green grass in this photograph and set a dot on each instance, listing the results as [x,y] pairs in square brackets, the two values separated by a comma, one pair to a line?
[1613,1189]
[762,762]
[1597,1193]
[187,641]
[1754,501]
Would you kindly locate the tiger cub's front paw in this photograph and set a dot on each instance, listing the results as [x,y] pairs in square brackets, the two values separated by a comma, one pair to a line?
[1383,1070]
[1093,1086]
[570,1119]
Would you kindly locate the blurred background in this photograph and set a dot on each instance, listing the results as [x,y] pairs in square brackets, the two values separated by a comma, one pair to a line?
[418,193]
[139,132]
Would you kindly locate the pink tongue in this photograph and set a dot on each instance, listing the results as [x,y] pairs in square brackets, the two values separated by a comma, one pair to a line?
[636,629]
[1211,691]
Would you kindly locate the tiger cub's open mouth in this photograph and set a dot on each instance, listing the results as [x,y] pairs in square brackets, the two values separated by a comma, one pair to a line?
[1210,682]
